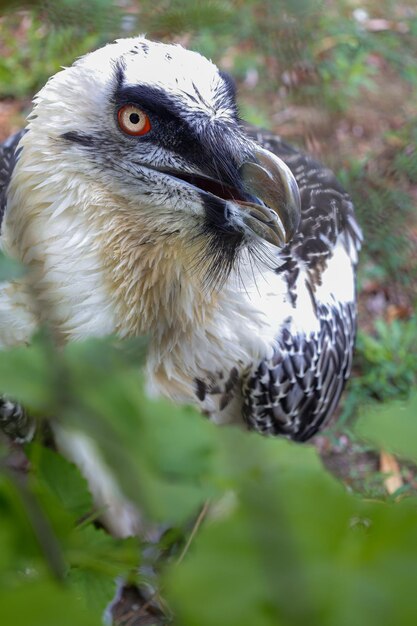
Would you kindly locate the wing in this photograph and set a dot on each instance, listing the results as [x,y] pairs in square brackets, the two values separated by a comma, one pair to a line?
[294,392]
[8,155]
[17,322]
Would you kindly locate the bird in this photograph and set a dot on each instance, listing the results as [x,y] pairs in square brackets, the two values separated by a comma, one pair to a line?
[140,203]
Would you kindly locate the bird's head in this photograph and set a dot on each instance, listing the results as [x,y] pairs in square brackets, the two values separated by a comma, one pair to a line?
[157,126]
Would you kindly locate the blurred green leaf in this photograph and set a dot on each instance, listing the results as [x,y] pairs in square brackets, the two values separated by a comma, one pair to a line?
[296,549]
[9,269]
[44,604]
[26,375]
[392,426]
[64,479]
[93,550]
[96,588]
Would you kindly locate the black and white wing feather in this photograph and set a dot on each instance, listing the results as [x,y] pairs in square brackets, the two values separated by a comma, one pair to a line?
[7,162]
[294,392]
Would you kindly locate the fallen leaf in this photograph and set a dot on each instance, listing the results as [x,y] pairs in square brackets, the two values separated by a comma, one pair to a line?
[388,465]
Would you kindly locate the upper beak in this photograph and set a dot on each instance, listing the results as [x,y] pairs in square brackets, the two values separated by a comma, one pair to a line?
[270,180]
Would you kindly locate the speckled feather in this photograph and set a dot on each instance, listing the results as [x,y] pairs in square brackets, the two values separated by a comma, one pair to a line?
[299,387]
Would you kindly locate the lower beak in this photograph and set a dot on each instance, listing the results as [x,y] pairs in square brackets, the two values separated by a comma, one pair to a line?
[268,179]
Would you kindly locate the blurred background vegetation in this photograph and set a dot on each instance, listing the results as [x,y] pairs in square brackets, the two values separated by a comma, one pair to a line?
[294,545]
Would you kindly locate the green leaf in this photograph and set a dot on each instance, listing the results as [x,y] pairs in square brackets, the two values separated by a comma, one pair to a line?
[44,603]
[295,549]
[27,374]
[391,426]
[97,559]
[97,589]
[94,549]
[250,559]
[9,268]
[23,527]
[64,480]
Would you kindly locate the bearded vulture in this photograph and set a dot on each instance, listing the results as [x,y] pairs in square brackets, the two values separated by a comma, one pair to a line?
[141,204]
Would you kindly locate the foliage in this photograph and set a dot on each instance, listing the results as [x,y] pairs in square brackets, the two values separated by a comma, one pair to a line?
[321,40]
[381,188]
[283,543]
[386,364]
[53,563]
[392,426]
[33,48]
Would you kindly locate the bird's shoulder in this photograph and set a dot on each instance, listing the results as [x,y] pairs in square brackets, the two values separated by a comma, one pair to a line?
[8,157]
[326,208]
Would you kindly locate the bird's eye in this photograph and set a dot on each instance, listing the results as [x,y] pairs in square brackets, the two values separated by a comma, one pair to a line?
[133,120]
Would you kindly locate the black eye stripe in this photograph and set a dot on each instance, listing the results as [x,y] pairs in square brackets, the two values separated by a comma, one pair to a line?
[152,100]
[78,137]
[173,131]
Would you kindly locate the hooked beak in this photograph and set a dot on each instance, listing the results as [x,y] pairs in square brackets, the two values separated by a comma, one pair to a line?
[271,181]
[268,197]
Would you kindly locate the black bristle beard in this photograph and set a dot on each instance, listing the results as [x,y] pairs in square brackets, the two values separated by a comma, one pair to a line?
[222,253]
[222,248]
[214,256]
[221,257]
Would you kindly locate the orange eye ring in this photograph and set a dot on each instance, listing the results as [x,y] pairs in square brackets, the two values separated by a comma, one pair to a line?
[133,121]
